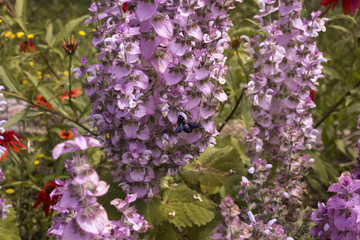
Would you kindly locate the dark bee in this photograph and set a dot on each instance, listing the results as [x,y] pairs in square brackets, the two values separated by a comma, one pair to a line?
[185,126]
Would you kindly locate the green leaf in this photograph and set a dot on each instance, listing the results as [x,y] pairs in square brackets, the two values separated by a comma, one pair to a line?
[340,28]
[341,145]
[21,116]
[49,34]
[346,17]
[67,29]
[210,182]
[153,211]
[184,210]
[19,8]
[333,73]
[8,79]
[354,108]
[48,94]
[165,231]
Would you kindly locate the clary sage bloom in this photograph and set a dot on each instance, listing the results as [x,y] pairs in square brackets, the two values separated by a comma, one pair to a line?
[286,69]
[340,217]
[80,215]
[157,84]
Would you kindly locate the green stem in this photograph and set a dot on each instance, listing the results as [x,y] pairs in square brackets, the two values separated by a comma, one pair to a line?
[46,60]
[233,111]
[327,9]
[70,101]
[49,110]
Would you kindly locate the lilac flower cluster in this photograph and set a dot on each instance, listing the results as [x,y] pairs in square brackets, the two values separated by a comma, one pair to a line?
[231,227]
[158,84]
[4,211]
[287,66]
[81,216]
[340,217]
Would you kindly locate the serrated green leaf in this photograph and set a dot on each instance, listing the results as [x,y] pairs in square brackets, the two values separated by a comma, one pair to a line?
[165,231]
[9,80]
[21,116]
[184,208]
[95,155]
[210,182]
[67,29]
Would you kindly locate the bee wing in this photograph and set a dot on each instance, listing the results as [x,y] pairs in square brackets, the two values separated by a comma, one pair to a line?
[194,125]
[179,128]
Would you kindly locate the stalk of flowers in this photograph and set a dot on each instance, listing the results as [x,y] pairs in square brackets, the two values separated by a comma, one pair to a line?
[339,218]
[4,211]
[157,85]
[231,227]
[287,66]
[81,216]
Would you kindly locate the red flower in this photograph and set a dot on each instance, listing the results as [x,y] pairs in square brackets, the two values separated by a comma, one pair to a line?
[66,134]
[312,94]
[44,197]
[74,94]
[12,139]
[27,46]
[348,5]
[125,8]
[42,101]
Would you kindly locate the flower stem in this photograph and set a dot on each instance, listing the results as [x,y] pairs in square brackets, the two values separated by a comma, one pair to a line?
[49,65]
[49,110]
[70,101]
[233,111]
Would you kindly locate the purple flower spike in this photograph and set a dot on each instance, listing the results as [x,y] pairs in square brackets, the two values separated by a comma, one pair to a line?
[81,216]
[286,69]
[156,59]
[79,143]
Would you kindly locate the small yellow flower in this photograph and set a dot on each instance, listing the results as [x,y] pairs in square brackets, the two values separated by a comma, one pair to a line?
[82,33]
[10,191]
[47,75]
[107,135]
[86,25]
[66,73]
[8,34]
[41,155]
[0,20]
[38,73]
[31,64]
[93,30]
[13,36]
[29,36]
[36,162]
[20,34]
[24,81]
